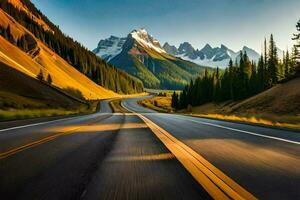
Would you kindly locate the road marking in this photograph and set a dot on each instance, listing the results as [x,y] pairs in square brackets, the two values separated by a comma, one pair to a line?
[44,140]
[42,123]
[228,128]
[214,181]
[35,143]
[242,131]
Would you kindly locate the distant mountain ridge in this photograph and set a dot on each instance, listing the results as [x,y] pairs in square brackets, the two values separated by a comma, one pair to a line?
[209,56]
[142,56]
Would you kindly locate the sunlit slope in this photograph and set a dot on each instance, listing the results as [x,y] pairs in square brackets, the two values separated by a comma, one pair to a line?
[41,58]
[18,89]
[20,5]
[282,99]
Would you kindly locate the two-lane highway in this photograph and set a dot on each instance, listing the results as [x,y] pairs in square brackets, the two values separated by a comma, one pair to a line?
[265,161]
[141,154]
[99,156]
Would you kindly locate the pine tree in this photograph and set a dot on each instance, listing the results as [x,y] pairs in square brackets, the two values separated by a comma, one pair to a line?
[242,77]
[287,63]
[272,63]
[253,81]
[294,61]
[10,37]
[40,76]
[49,79]
[296,51]
[261,74]
[231,74]
[265,53]
[217,86]
[174,100]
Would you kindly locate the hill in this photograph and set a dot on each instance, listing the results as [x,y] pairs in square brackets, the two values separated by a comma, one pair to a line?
[142,56]
[282,99]
[279,106]
[33,45]
[34,94]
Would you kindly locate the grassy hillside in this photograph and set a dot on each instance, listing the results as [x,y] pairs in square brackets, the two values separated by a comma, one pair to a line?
[282,99]
[63,75]
[36,80]
[16,83]
[278,106]
[48,46]
[22,96]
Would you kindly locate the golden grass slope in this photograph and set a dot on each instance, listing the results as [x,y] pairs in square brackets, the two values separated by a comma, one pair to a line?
[278,106]
[16,28]
[19,5]
[64,75]
[282,99]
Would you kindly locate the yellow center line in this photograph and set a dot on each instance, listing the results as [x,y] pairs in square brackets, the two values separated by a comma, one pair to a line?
[34,143]
[213,180]
[43,140]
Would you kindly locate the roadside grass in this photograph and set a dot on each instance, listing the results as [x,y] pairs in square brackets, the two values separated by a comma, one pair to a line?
[14,107]
[292,122]
[165,92]
[10,100]
[163,104]
[117,107]
[158,103]
[32,113]
[15,114]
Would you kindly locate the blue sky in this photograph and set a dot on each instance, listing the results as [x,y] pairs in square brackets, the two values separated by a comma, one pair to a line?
[234,23]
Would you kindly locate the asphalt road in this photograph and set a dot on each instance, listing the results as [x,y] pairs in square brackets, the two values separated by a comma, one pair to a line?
[117,156]
[98,156]
[265,161]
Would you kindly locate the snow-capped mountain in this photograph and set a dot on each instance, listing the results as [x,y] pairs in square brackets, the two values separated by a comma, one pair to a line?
[142,56]
[208,56]
[146,40]
[110,47]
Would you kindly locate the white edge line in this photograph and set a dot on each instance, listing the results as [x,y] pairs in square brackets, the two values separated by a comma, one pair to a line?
[247,132]
[41,123]
[237,130]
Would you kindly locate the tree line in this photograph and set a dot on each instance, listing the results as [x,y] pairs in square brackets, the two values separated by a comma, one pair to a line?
[242,78]
[73,52]
[20,42]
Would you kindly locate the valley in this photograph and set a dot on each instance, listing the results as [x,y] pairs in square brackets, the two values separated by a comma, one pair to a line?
[196,111]
[142,56]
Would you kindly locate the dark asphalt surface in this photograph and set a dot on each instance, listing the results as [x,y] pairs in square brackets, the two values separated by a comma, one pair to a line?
[97,156]
[267,167]
[116,156]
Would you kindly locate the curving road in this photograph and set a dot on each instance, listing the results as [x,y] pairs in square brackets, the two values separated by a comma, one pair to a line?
[142,154]
[265,161]
[98,156]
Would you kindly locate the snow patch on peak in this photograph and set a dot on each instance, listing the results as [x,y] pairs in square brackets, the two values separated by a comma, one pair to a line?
[146,40]
[110,47]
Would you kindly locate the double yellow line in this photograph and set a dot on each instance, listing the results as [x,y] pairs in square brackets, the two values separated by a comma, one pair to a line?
[214,181]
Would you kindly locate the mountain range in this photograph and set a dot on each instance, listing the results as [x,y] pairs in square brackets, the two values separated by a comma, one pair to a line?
[142,56]
[209,56]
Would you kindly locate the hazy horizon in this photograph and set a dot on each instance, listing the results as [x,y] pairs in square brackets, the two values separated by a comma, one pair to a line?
[230,22]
